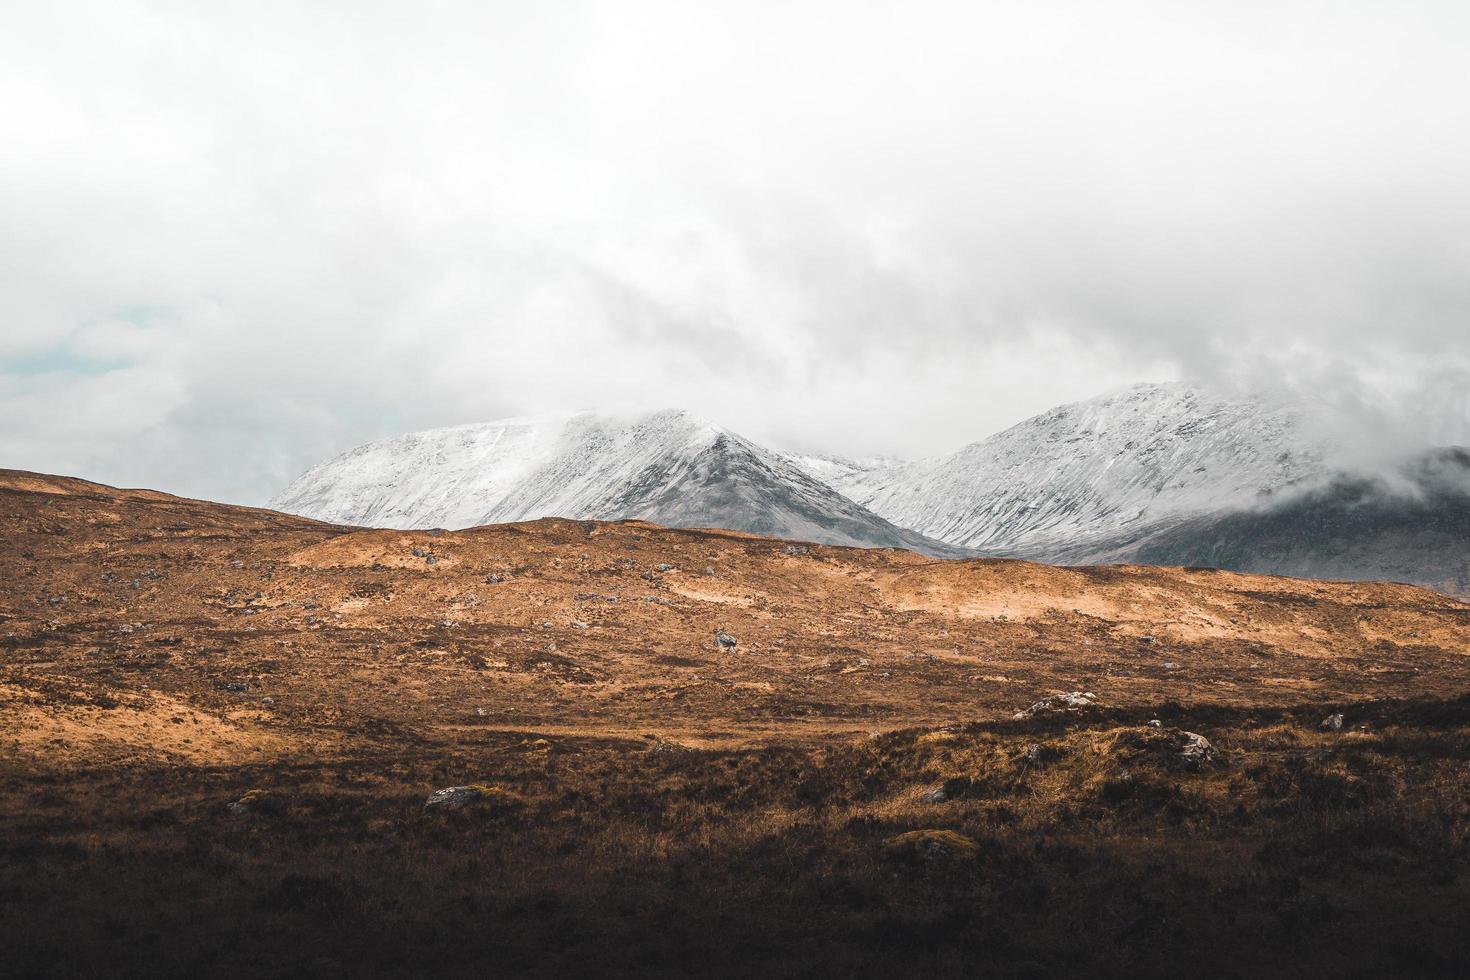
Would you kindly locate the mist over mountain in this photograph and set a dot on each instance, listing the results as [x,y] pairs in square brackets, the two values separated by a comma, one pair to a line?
[1152,473]
[669,467]
[1407,524]
[1073,480]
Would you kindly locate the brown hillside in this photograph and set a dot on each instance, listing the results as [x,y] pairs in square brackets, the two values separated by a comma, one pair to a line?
[160,657]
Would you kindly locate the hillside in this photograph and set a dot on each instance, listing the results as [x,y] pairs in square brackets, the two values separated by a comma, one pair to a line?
[390,752]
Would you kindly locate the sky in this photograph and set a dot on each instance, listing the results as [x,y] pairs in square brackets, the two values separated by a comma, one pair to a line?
[238,238]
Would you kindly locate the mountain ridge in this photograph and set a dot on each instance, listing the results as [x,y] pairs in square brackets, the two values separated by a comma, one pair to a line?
[667,466]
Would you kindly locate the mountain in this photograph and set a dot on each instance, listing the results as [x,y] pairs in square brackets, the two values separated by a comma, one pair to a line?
[1409,524]
[1086,478]
[669,467]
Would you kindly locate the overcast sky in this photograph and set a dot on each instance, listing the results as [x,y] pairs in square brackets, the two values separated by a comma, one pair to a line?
[236,238]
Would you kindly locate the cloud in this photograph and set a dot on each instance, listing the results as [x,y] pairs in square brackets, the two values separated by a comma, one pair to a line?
[870,228]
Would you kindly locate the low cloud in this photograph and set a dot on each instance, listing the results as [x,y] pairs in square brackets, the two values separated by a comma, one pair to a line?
[239,239]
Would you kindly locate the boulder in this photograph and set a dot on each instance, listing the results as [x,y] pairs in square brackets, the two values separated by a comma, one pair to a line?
[1332,723]
[459,797]
[1196,750]
[453,798]
[724,641]
[254,801]
[1072,701]
[931,845]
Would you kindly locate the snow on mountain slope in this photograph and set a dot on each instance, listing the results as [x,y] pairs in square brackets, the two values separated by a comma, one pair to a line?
[840,471]
[669,467]
[1072,482]
[1410,523]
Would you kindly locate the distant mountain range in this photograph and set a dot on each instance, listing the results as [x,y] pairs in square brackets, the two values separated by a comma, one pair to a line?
[1154,473]
[668,467]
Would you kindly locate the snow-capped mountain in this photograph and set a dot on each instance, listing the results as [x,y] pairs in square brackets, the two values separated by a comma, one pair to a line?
[1407,523]
[669,467]
[1155,473]
[1081,479]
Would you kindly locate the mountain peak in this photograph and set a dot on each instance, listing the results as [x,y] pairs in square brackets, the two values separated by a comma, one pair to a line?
[669,466]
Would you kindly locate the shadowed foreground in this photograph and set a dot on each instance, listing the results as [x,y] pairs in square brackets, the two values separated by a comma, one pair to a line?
[219,727]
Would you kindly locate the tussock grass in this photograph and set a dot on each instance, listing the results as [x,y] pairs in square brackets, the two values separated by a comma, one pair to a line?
[1081,847]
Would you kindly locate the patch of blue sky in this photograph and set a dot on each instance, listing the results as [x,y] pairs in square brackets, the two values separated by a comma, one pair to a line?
[60,359]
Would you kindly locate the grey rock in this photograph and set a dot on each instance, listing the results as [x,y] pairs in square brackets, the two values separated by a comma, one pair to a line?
[1197,749]
[452,797]
[1332,723]
[1070,702]
[935,795]
[724,641]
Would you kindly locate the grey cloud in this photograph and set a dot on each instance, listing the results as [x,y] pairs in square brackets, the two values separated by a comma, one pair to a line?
[889,228]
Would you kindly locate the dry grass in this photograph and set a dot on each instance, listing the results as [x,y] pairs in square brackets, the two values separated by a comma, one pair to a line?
[651,807]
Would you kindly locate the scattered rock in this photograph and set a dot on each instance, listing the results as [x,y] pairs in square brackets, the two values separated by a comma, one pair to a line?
[1072,701]
[1033,754]
[796,549]
[1155,723]
[708,570]
[1145,639]
[236,687]
[1170,665]
[724,641]
[493,579]
[931,845]
[935,795]
[663,567]
[1332,723]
